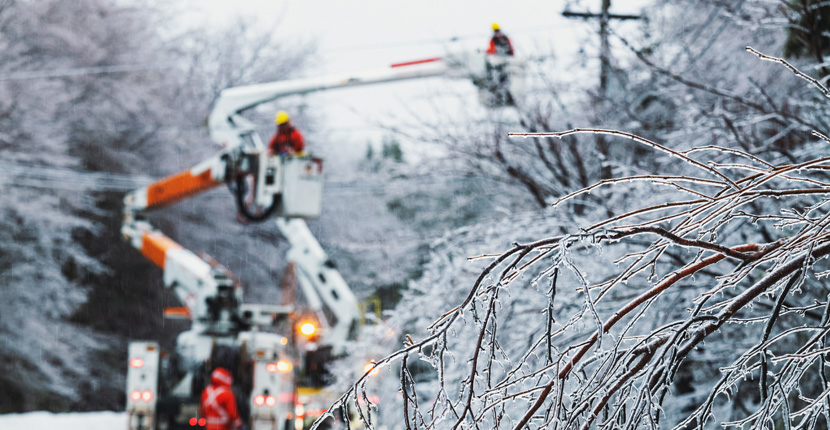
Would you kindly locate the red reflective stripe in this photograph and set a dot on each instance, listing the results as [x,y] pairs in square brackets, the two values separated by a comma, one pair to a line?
[412,63]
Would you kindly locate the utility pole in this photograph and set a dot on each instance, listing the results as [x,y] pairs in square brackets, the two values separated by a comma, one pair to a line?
[604,48]
[605,16]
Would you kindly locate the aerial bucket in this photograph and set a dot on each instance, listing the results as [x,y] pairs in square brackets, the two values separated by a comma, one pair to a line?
[302,194]
[499,78]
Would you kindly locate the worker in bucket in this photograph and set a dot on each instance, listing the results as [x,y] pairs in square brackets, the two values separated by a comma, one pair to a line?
[287,140]
[496,63]
[218,405]
[499,43]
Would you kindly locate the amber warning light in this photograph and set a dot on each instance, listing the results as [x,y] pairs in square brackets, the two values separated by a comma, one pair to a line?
[280,366]
[308,329]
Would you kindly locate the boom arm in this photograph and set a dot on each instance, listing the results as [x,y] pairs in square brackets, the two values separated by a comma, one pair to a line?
[322,284]
[202,177]
[227,126]
[327,292]
[208,294]
[211,297]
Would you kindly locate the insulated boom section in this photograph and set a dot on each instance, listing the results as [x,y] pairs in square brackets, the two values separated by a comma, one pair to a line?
[199,178]
[191,277]
[155,245]
[178,187]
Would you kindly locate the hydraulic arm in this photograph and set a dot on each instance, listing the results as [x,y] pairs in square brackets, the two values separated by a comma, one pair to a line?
[264,186]
[211,298]
[230,129]
[326,291]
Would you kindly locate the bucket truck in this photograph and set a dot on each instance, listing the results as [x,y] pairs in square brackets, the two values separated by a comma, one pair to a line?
[254,342]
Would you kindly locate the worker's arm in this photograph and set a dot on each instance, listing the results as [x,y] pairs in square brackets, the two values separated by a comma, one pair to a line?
[229,403]
[297,142]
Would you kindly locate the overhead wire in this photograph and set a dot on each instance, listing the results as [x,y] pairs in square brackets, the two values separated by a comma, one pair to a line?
[433,40]
[67,179]
[49,177]
[82,71]
[143,67]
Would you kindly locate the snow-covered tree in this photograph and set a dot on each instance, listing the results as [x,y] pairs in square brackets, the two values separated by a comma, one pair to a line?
[688,291]
[92,91]
[676,312]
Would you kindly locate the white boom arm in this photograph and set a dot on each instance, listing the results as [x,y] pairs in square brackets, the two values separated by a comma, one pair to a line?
[206,294]
[327,292]
[323,286]
[211,298]
[228,127]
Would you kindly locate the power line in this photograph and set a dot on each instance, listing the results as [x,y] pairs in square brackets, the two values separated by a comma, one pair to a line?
[434,40]
[67,179]
[32,176]
[127,68]
[82,71]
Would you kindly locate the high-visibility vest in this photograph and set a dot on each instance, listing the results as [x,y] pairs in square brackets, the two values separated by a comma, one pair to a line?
[219,408]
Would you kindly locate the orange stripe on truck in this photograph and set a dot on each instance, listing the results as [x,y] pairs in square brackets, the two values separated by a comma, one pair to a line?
[155,245]
[177,313]
[176,187]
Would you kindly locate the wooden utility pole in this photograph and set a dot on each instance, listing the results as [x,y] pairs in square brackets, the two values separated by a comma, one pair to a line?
[605,16]
[604,48]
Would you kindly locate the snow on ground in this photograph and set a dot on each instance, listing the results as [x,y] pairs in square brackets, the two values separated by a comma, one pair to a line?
[105,420]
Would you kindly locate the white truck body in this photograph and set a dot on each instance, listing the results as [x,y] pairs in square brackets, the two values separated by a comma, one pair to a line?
[142,384]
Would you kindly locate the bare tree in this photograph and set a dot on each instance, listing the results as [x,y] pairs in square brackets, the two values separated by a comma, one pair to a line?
[683,307]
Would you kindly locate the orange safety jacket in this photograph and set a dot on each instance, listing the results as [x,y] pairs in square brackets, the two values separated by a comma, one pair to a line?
[500,45]
[287,140]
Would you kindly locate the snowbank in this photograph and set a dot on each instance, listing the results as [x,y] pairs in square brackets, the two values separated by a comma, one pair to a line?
[71,421]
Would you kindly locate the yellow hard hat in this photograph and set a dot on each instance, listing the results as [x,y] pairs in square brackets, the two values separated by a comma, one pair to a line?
[495,26]
[282,117]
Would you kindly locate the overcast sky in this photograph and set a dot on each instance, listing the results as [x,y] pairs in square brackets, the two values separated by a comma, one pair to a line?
[367,34]
[370,32]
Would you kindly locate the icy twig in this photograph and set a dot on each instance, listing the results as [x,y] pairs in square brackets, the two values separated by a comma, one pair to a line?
[635,138]
[792,68]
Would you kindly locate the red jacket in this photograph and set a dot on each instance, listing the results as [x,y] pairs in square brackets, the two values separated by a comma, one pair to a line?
[287,140]
[500,45]
[218,405]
